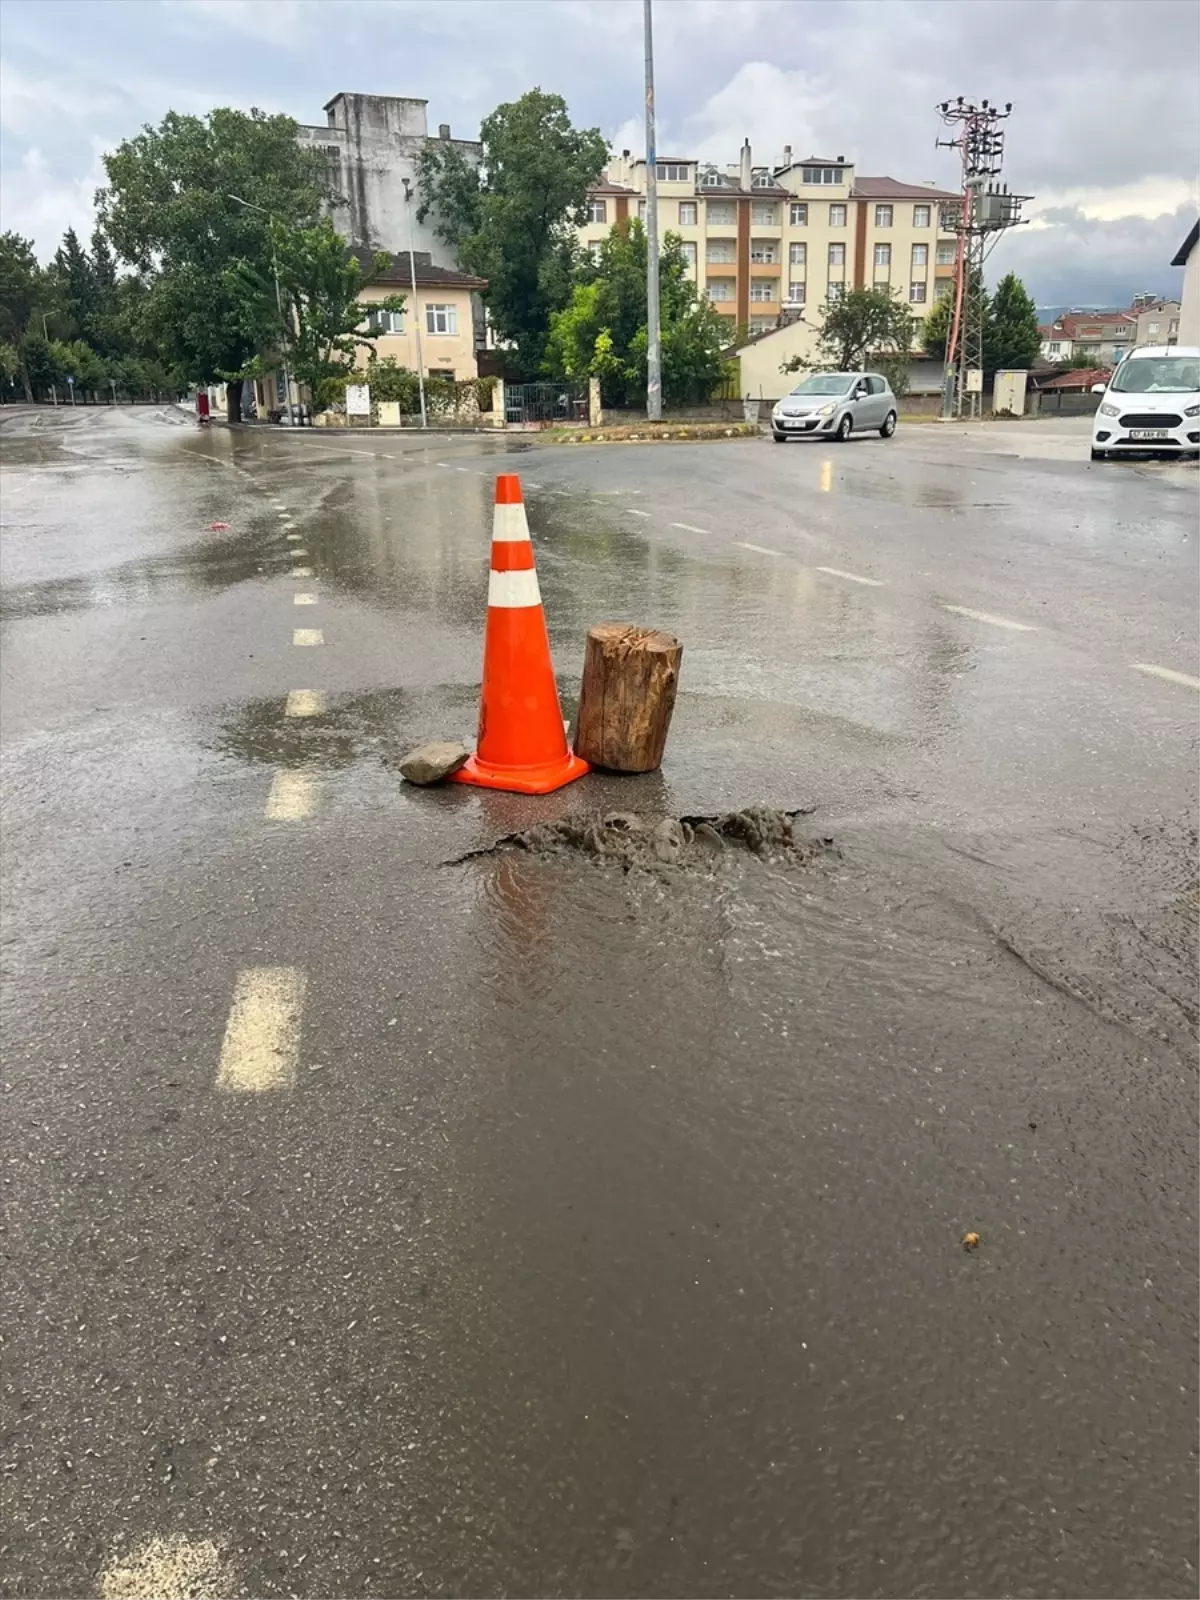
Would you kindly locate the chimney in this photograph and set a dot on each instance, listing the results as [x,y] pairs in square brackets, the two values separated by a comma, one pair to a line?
[747,173]
[841,160]
[787,155]
[443,130]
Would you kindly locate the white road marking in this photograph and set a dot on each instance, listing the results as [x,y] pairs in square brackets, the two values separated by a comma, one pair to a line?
[760,548]
[687,527]
[304,599]
[463,469]
[304,636]
[826,477]
[445,464]
[1168,673]
[298,554]
[529,484]
[261,1047]
[171,1568]
[852,577]
[634,512]
[986,616]
[302,572]
[293,796]
[304,703]
[293,536]
[285,515]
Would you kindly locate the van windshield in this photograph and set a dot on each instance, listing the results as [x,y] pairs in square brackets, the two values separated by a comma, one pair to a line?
[824,383]
[1157,375]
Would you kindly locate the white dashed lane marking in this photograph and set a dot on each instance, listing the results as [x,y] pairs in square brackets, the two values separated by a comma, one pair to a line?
[261,1047]
[293,796]
[304,703]
[304,599]
[634,512]
[992,621]
[304,636]
[1168,673]
[852,577]
[302,572]
[687,527]
[760,549]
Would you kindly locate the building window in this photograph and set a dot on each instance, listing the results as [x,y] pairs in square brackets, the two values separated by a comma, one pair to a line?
[689,252]
[719,289]
[944,289]
[762,324]
[595,250]
[883,255]
[883,216]
[837,255]
[641,211]
[379,321]
[672,171]
[764,289]
[441,319]
[719,214]
[1054,348]
[946,254]
[1174,328]
[597,211]
[764,216]
[795,294]
[687,213]
[834,291]
[837,216]
[916,294]
[763,250]
[1151,327]
[761,178]
[920,256]
[797,254]
[710,178]
[822,175]
[721,251]
[799,214]
[922,216]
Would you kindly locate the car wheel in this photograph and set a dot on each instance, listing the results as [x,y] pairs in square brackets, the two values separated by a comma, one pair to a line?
[842,432]
[779,438]
[889,426]
[1099,455]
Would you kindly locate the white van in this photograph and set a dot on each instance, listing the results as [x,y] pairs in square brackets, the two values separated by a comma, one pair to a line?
[1152,402]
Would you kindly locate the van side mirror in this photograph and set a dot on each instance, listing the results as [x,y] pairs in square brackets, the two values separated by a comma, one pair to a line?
[1099,388]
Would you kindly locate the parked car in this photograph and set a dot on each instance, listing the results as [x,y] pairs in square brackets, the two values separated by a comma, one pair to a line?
[833,405]
[1151,403]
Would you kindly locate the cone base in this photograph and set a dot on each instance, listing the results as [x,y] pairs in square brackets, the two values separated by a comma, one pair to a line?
[522,780]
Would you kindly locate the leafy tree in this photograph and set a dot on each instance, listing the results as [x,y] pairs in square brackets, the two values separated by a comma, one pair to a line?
[10,368]
[511,221]
[1011,337]
[168,211]
[22,291]
[864,323]
[934,333]
[319,286]
[73,273]
[602,332]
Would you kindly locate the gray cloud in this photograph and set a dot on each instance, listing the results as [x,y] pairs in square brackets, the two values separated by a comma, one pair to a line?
[1105,123]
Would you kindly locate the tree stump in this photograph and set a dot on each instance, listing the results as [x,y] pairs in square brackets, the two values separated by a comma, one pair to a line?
[627,697]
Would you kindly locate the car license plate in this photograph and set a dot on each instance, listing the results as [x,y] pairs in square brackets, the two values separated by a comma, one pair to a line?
[1148,433]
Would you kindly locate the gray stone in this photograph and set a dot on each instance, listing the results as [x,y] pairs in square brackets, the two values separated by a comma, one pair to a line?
[430,763]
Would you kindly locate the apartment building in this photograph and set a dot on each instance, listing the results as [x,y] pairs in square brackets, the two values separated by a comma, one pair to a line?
[1105,337]
[1157,320]
[768,244]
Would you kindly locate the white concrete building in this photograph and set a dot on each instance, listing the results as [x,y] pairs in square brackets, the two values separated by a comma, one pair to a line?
[372,143]
[1188,257]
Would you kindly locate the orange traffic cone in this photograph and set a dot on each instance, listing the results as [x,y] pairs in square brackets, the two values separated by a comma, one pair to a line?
[522,742]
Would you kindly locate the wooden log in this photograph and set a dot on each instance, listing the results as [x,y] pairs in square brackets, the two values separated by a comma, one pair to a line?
[627,697]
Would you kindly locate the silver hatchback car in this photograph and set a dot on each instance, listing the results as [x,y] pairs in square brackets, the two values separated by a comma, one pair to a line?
[833,405]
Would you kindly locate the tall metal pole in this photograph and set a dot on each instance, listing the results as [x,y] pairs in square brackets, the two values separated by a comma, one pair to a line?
[412,273]
[287,377]
[653,365]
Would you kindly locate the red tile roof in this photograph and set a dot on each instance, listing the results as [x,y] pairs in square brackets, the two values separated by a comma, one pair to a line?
[1081,379]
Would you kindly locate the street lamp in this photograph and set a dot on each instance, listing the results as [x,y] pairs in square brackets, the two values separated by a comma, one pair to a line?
[287,377]
[412,272]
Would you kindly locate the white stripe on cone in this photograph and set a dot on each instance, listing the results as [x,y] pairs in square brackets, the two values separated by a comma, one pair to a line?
[509,525]
[512,589]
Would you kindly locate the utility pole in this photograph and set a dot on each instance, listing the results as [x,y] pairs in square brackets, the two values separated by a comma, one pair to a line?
[985,211]
[653,346]
[283,327]
[416,310]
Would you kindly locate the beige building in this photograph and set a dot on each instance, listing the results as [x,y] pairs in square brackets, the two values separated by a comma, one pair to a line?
[1157,321]
[445,310]
[772,244]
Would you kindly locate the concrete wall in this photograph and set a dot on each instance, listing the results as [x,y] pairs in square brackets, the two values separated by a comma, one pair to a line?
[1189,300]
[372,143]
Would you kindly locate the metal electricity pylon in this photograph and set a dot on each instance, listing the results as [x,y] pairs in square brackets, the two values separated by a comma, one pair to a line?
[985,210]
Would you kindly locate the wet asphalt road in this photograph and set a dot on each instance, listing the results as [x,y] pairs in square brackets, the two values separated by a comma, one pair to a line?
[606,1238]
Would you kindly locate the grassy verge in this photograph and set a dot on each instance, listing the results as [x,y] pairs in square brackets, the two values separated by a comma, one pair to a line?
[653,433]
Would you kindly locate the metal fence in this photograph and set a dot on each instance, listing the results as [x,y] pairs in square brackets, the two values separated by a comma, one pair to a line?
[542,405]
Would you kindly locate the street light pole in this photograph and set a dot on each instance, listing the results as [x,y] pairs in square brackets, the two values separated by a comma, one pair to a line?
[287,377]
[653,367]
[412,272]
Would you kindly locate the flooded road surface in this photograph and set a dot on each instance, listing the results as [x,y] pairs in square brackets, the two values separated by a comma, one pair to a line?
[386,1217]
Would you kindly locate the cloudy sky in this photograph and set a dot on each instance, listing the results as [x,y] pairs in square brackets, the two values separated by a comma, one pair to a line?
[1104,132]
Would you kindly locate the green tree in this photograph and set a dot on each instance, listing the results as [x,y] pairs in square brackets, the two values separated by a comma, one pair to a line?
[602,333]
[72,272]
[10,369]
[934,332]
[864,327]
[167,211]
[1011,337]
[320,283]
[22,292]
[512,219]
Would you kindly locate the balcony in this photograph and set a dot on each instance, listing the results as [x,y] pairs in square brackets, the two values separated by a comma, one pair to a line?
[765,269]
